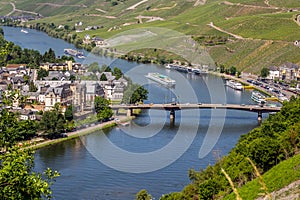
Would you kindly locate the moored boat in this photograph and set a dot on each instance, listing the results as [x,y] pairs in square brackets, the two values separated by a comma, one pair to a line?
[162,79]
[258,97]
[73,52]
[233,84]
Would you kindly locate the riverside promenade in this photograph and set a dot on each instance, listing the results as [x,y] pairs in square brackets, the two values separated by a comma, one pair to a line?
[38,143]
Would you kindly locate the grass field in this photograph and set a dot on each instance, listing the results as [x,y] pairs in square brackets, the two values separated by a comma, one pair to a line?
[5,8]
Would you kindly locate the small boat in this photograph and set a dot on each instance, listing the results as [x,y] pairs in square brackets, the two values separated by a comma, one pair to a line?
[24,31]
[189,69]
[162,79]
[196,71]
[233,84]
[258,97]
[168,66]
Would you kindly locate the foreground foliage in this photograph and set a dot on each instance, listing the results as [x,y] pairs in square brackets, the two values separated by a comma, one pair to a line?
[17,179]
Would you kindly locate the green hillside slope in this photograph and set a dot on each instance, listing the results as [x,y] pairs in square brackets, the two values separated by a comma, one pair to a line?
[264,30]
[276,178]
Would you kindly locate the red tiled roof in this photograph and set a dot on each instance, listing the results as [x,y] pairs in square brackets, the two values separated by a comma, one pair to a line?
[14,65]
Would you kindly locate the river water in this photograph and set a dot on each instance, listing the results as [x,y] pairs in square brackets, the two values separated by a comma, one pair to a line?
[87,174]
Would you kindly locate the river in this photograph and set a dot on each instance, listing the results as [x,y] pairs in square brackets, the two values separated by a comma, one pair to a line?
[84,173]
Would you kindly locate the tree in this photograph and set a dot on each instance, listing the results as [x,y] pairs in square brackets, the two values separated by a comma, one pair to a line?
[69,113]
[94,67]
[117,73]
[18,181]
[102,108]
[143,195]
[232,70]
[42,73]
[103,77]
[264,72]
[49,56]
[72,77]
[32,87]
[134,93]
[107,69]
[222,68]
[52,122]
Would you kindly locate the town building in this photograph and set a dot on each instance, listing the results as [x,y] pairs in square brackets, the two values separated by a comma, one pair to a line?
[274,73]
[61,94]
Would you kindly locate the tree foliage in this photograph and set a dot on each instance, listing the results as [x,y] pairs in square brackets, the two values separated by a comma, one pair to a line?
[42,73]
[103,77]
[102,108]
[12,129]
[143,195]
[264,72]
[53,122]
[117,72]
[135,93]
[69,113]
[18,181]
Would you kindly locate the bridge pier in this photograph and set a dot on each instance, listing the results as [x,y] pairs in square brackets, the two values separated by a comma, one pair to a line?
[172,117]
[129,112]
[259,117]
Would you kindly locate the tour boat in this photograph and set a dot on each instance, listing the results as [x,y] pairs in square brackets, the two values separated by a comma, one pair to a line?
[73,52]
[258,97]
[235,85]
[162,79]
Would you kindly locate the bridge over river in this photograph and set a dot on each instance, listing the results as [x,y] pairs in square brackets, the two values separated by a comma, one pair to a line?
[173,107]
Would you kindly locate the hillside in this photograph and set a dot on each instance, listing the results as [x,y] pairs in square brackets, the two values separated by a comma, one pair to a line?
[285,175]
[260,33]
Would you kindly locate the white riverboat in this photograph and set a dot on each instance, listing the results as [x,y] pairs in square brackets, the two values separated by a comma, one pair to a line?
[24,31]
[186,69]
[233,84]
[162,79]
[258,97]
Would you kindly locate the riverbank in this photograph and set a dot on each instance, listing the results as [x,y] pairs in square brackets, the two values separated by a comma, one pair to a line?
[243,80]
[79,133]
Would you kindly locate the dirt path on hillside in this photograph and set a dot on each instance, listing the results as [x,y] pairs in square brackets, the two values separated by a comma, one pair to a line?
[253,6]
[211,24]
[137,4]
[60,5]
[100,10]
[18,10]
[150,18]
[14,9]
[164,8]
[200,2]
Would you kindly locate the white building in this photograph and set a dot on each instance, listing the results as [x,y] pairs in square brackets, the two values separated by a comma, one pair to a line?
[274,73]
